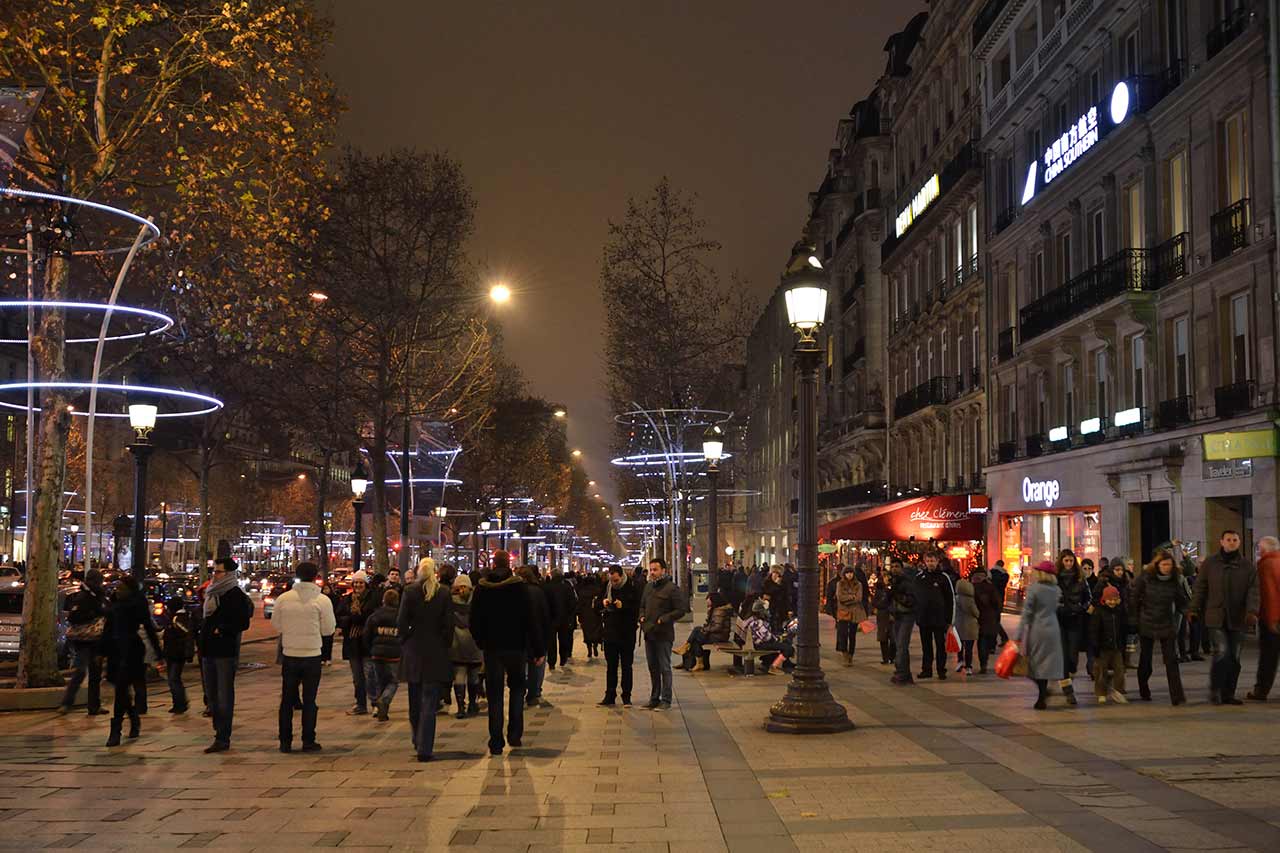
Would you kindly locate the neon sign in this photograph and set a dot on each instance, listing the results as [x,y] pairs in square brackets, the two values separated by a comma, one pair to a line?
[1081,135]
[927,195]
[1034,491]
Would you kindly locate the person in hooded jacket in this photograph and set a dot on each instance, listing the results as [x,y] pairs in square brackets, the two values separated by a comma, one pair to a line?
[1073,618]
[464,654]
[935,607]
[351,611]
[425,623]
[179,645]
[589,591]
[1157,599]
[990,606]
[967,616]
[127,614]
[382,654]
[563,605]
[86,615]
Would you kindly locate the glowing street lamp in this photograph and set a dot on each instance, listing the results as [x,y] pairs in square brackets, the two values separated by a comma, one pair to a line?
[560,412]
[318,296]
[142,417]
[577,454]
[713,452]
[359,483]
[500,293]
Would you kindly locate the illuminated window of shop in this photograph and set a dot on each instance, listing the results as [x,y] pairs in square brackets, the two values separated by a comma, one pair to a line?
[1181,359]
[1027,538]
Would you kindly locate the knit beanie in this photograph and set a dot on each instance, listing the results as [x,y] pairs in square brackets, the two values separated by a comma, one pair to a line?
[1110,594]
[360,576]
[462,581]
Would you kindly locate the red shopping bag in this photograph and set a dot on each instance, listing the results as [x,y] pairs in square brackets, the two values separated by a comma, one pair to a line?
[866,626]
[953,641]
[1008,659]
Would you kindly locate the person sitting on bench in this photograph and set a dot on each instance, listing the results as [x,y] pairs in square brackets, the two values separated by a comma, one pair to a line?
[762,637]
[715,630]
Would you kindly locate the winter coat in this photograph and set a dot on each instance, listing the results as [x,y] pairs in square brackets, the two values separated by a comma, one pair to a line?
[1108,629]
[1155,603]
[178,638]
[382,635]
[661,606]
[719,624]
[755,583]
[126,656]
[935,599]
[351,613]
[620,611]
[86,606]
[464,649]
[902,593]
[542,617]
[829,597]
[882,603]
[1074,609]
[1000,580]
[1269,591]
[503,617]
[990,606]
[849,601]
[589,617]
[426,633]
[1041,639]
[561,601]
[778,593]
[966,611]
[220,631]
[303,616]
[1226,591]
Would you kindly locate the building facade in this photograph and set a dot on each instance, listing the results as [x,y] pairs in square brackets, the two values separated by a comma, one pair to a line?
[1132,274]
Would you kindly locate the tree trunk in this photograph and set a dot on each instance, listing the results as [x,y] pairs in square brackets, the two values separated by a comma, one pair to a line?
[206,466]
[38,658]
[378,468]
[322,488]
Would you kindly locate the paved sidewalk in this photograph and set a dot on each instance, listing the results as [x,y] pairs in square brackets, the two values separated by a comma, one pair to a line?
[956,765]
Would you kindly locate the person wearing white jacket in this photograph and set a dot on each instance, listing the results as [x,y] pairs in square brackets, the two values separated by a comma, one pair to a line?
[303,617]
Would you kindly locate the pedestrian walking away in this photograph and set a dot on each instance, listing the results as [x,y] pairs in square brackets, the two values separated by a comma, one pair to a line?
[127,615]
[1000,580]
[562,603]
[590,591]
[620,613]
[1039,635]
[967,617]
[902,595]
[1226,598]
[426,635]
[1268,617]
[536,660]
[303,616]
[661,606]
[179,644]
[506,628]
[382,654]
[464,654]
[1156,601]
[226,614]
[86,617]
[990,607]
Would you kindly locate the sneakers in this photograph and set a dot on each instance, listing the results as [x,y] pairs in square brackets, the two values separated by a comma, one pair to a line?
[1117,697]
[651,704]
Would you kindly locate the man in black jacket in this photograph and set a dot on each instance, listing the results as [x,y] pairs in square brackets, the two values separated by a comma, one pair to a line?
[661,606]
[505,627]
[227,612]
[563,604]
[621,612]
[935,607]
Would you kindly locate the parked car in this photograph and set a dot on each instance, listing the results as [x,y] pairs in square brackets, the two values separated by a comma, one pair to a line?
[10,573]
[11,595]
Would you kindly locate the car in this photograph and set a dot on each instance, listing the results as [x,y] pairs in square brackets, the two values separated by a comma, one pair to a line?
[11,595]
[10,573]
[273,588]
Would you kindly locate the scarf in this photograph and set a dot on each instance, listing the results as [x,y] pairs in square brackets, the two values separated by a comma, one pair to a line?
[216,589]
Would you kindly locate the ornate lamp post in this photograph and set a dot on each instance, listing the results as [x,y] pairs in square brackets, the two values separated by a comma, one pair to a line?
[807,707]
[713,452]
[484,530]
[75,538]
[442,512]
[142,417]
[359,482]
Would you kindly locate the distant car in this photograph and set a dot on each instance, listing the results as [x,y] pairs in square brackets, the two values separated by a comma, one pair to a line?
[11,595]
[273,589]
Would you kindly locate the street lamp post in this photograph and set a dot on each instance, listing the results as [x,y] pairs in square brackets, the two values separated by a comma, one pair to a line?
[713,452]
[807,707]
[442,512]
[359,482]
[75,536]
[142,417]
[484,527]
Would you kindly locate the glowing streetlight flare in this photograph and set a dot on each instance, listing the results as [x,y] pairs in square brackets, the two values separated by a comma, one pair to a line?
[577,454]
[500,293]
[319,296]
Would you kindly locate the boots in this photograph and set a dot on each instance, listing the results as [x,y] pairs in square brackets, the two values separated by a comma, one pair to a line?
[704,663]
[460,693]
[135,726]
[848,658]
[473,705]
[683,650]
[686,662]
[114,738]
[1068,691]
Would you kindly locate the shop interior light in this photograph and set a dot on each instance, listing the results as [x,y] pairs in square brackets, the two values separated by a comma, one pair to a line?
[1128,417]
[1090,425]
[1058,434]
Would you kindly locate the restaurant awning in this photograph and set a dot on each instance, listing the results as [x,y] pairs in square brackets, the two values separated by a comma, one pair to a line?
[942,517]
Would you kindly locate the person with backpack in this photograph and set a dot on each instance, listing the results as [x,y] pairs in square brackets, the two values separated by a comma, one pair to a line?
[382,654]
[86,616]
[179,644]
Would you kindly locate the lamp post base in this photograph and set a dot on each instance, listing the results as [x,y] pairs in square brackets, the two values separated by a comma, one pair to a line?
[808,709]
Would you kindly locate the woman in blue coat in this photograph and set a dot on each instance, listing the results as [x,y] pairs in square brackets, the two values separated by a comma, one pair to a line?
[1039,634]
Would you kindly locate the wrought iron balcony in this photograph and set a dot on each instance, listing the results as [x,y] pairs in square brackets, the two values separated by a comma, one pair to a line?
[938,390]
[1035,446]
[1227,30]
[1004,344]
[1124,272]
[1007,451]
[975,481]
[1170,258]
[1005,218]
[1234,399]
[1174,413]
[1229,229]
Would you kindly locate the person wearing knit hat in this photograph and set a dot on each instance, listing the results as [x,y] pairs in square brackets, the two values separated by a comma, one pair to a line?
[1039,636]
[464,654]
[352,611]
[1108,633]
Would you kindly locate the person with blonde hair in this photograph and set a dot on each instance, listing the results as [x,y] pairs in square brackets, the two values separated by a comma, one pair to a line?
[1038,633]
[425,624]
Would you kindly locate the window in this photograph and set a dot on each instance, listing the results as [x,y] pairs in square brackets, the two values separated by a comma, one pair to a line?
[959,243]
[1181,358]
[1010,413]
[928,355]
[1064,257]
[1240,371]
[1137,370]
[1069,394]
[1100,406]
[973,233]
[1235,171]
[917,365]
[1006,181]
[1097,245]
[973,339]
[1175,28]
[1038,277]
[1134,232]
[943,362]
[1129,54]
[977,442]
[1035,147]
[1095,85]
[1175,195]
[1060,112]
[1042,404]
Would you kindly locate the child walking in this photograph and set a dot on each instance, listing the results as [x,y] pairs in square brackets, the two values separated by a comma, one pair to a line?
[1108,632]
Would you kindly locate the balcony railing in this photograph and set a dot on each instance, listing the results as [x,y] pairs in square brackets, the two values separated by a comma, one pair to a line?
[1229,229]
[1005,218]
[1125,272]
[1227,30]
[1004,344]
[1035,446]
[975,481]
[1234,399]
[1171,258]
[1174,413]
[1007,451]
[987,16]
[939,389]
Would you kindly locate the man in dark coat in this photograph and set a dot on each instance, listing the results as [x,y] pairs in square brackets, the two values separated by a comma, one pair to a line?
[505,627]
[935,607]
[425,625]
[563,604]
[227,612]
[620,612]
[535,660]
[661,606]
[1226,599]
[1000,580]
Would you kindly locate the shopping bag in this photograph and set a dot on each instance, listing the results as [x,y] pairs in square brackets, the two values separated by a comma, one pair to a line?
[1008,658]
[866,626]
[953,641]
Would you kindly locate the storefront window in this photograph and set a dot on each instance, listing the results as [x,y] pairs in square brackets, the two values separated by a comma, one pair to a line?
[1030,537]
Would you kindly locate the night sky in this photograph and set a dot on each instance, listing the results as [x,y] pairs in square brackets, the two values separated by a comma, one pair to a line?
[558,111]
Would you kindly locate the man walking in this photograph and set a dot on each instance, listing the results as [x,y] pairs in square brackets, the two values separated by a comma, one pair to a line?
[1269,616]
[935,599]
[1000,580]
[303,616]
[1226,598]
[563,605]
[227,612]
[504,626]
[661,604]
[621,606]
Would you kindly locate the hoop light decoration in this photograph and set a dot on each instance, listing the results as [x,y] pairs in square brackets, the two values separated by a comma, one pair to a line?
[199,404]
[644,460]
[153,233]
[162,322]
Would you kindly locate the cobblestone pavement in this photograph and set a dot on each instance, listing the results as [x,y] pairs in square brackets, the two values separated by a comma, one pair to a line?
[964,764]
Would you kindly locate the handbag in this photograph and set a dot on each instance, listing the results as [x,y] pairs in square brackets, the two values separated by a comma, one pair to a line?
[866,626]
[1010,660]
[87,632]
[953,641]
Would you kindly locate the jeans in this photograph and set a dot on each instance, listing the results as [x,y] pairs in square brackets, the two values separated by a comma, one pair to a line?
[177,690]
[1171,671]
[508,667]
[381,680]
[986,645]
[657,654]
[86,662]
[219,675]
[1224,672]
[357,681]
[295,672]
[933,650]
[903,625]
[424,698]
[966,653]
[1112,660]
[615,655]
[846,636]
[1072,644]
[534,675]
[1268,656]
[565,635]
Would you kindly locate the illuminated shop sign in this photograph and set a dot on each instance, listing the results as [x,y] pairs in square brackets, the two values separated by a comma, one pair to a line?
[1040,491]
[1128,417]
[927,195]
[1080,136]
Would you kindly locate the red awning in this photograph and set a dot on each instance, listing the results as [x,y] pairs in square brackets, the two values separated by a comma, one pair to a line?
[943,517]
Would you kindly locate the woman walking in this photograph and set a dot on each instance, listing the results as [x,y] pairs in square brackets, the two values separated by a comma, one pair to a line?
[1038,632]
[882,603]
[967,616]
[352,611]
[426,633]
[126,656]
[464,654]
[589,592]
[987,597]
[849,612]
[1073,619]
[1157,601]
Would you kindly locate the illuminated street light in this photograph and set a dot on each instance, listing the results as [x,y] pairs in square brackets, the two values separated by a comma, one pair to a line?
[319,296]
[559,412]
[500,293]
[577,454]
[359,483]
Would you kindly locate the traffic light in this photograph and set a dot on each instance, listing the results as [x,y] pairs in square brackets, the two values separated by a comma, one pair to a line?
[395,546]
